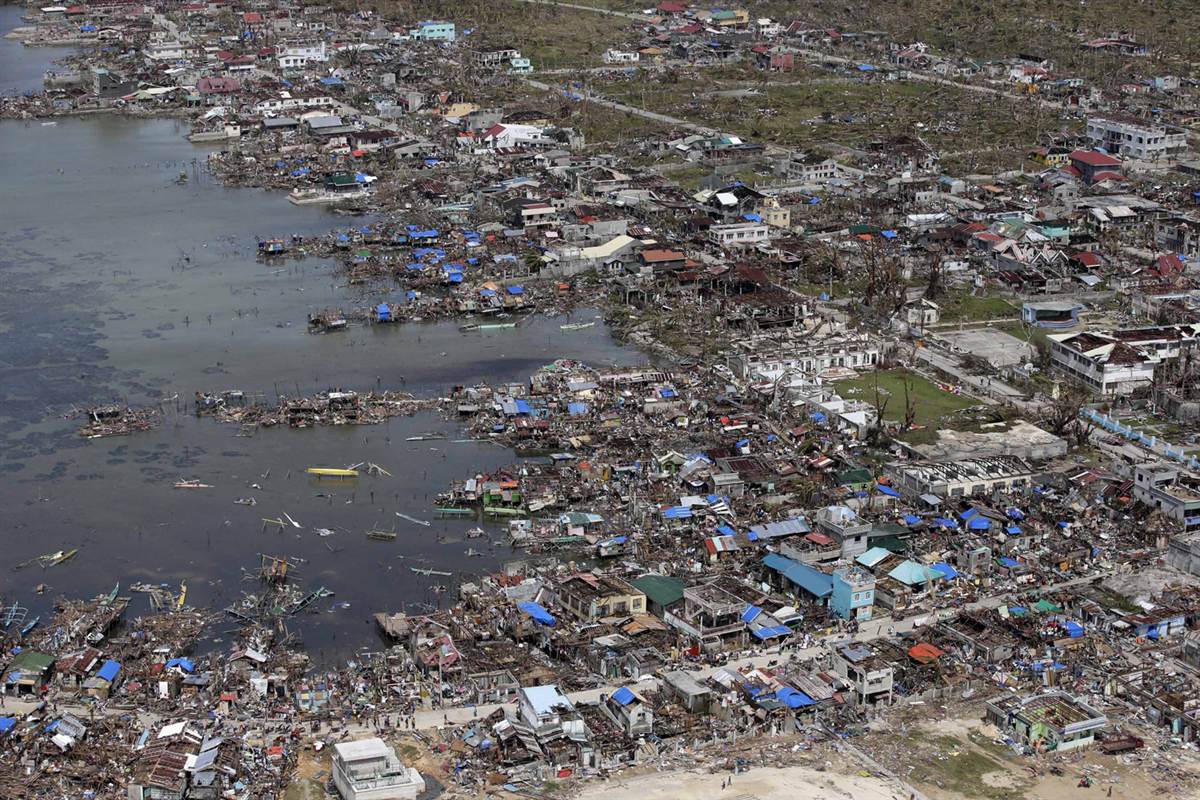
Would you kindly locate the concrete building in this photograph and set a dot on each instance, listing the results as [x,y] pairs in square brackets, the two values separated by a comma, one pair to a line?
[1171,490]
[1052,721]
[809,168]
[628,712]
[966,478]
[369,770]
[1136,138]
[431,31]
[545,709]
[869,676]
[688,692]
[848,529]
[771,360]
[296,56]
[739,233]
[591,597]
[853,593]
[1018,438]
[1183,553]
[1119,361]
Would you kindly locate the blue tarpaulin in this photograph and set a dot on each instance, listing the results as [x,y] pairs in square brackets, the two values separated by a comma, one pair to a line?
[945,523]
[817,416]
[109,671]
[910,519]
[725,530]
[772,632]
[677,512]
[889,491]
[539,615]
[383,312]
[624,696]
[1009,562]
[7,724]
[1016,513]
[184,664]
[950,572]
[577,409]
[979,524]
[1074,629]
[1014,530]
[515,290]
[751,613]
[793,698]
[970,512]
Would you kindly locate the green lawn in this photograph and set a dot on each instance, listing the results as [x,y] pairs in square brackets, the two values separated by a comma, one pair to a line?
[932,404]
[968,308]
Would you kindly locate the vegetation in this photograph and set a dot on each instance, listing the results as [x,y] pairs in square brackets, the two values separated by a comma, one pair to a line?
[930,403]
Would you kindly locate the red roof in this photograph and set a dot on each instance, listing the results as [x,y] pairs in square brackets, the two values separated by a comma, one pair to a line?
[1095,159]
[252,17]
[1107,175]
[1087,258]
[672,8]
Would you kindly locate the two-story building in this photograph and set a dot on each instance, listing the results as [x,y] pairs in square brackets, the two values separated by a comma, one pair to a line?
[369,770]
[1171,490]
[853,593]
[591,597]
[869,676]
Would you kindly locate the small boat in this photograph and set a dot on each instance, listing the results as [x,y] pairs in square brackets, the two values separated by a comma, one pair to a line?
[501,511]
[490,326]
[476,533]
[451,511]
[382,536]
[48,124]
[53,559]
[428,572]
[330,472]
[413,519]
[111,597]
[246,501]
[192,484]
[472,552]
[468,328]
[575,326]
[182,595]
[28,626]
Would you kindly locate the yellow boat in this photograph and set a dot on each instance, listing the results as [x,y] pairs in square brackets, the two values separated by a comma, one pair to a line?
[330,472]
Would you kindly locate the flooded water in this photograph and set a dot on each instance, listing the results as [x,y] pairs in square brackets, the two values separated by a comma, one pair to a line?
[21,67]
[119,283]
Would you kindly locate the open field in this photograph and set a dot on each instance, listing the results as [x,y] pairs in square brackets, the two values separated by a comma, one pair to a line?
[788,783]
[932,404]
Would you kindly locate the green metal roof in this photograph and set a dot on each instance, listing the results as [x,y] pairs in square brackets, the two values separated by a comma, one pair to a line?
[660,588]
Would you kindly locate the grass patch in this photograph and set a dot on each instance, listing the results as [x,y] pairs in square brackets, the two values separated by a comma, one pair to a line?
[969,308]
[931,403]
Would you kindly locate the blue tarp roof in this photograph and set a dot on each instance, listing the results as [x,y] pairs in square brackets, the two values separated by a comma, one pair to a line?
[793,698]
[980,524]
[808,578]
[911,519]
[539,614]
[677,512]
[1013,530]
[7,724]
[950,572]
[817,416]
[1074,629]
[970,512]
[577,409]
[945,523]
[184,664]
[516,290]
[1009,562]
[523,407]
[889,491]
[624,696]
[751,613]
[1016,513]
[773,632]
[109,671]
[726,530]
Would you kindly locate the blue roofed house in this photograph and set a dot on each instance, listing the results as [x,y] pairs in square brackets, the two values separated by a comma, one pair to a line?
[628,712]
[807,584]
[104,681]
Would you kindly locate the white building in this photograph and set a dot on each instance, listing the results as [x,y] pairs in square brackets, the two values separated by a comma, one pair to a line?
[770,360]
[976,476]
[1118,362]
[739,233]
[612,56]
[870,677]
[809,168]
[287,102]
[297,56]
[1136,138]
[369,770]
[1165,487]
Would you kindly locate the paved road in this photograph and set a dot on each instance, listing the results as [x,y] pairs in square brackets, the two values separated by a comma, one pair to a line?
[641,112]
